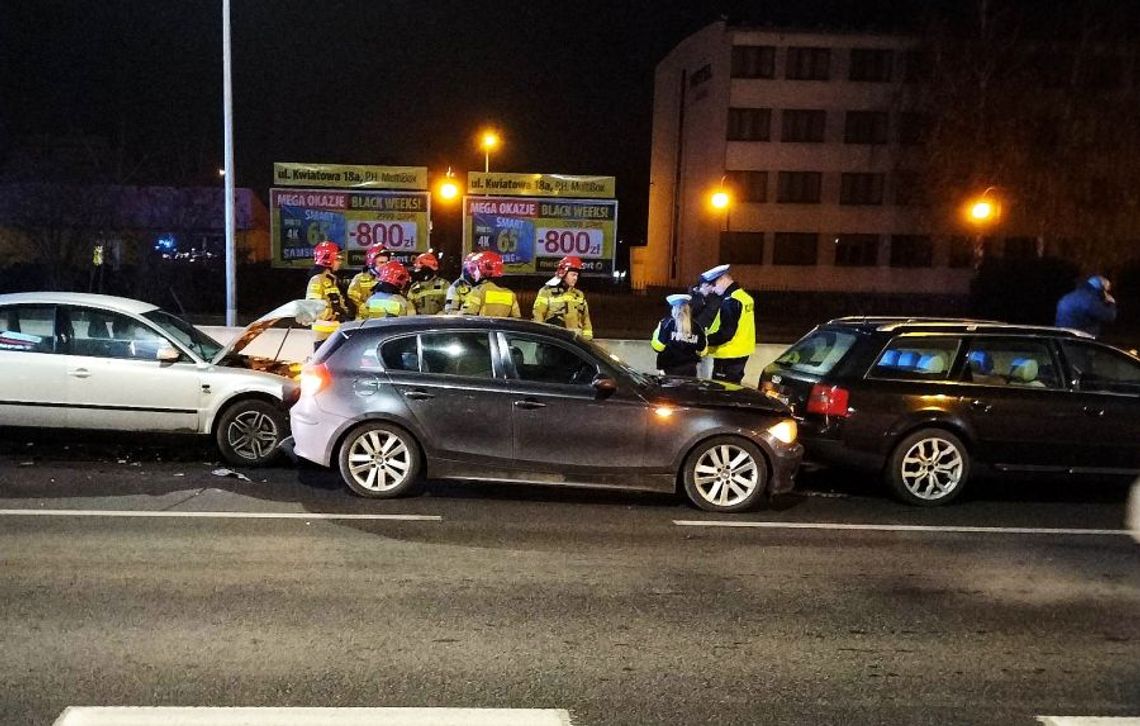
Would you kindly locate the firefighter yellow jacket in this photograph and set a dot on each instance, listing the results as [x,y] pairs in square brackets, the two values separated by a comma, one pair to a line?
[429,296]
[487,298]
[359,290]
[323,286]
[387,305]
[456,294]
[565,307]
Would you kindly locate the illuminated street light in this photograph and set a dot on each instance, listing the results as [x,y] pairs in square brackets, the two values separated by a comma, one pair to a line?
[720,200]
[448,190]
[488,142]
[982,212]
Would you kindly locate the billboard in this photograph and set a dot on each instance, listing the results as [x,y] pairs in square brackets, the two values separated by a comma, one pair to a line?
[354,219]
[533,234]
[540,185]
[349,176]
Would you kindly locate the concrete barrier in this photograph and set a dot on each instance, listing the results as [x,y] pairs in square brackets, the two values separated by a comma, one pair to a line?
[296,344]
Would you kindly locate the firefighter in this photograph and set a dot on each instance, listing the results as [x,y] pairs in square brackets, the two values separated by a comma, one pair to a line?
[462,285]
[360,289]
[732,335]
[487,297]
[323,286]
[561,303]
[387,300]
[429,291]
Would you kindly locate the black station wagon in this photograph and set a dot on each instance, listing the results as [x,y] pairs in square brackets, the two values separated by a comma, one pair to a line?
[926,401]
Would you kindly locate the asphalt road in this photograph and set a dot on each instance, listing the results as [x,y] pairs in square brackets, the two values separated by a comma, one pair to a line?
[519,597]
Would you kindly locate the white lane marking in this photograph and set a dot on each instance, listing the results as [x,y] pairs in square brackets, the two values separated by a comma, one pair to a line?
[213,515]
[902,527]
[278,716]
[1089,720]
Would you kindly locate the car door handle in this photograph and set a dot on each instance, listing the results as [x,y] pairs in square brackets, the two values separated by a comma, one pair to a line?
[419,395]
[529,404]
[79,373]
[981,406]
[1093,411]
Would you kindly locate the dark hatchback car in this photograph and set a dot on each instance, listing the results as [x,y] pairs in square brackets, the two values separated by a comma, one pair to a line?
[392,400]
[927,401]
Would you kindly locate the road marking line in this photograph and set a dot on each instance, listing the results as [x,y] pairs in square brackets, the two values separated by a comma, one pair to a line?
[213,515]
[279,716]
[901,528]
[1089,720]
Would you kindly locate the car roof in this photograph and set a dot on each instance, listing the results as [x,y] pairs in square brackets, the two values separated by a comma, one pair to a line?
[415,323]
[107,302]
[949,325]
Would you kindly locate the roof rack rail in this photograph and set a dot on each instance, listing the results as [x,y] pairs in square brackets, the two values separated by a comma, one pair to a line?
[903,319]
[988,324]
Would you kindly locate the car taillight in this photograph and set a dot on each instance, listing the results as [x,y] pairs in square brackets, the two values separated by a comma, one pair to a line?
[314,379]
[827,400]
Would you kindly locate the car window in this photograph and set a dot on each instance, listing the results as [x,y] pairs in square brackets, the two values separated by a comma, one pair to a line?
[457,354]
[27,328]
[185,333]
[1101,369]
[544,361]
[1010,362]
[401,354]
[818,353]
[917,358]
[105,334]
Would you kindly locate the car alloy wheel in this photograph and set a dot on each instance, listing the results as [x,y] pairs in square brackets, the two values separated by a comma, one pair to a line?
[929,467]
[250,431]
[379,461]
[726,474]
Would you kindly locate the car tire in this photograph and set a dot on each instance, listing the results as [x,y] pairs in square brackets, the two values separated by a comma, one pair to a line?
[380,461]
[249,432]
[928,468]
[726,474]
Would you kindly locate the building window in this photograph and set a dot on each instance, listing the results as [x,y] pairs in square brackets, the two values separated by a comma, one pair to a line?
[912,128]
[961,251]
[799,187]
[917,65]
[749,186]
[908,190]
[808,64]
[870,65]
[911,250]
[803,125]
[861,189]
[857,250]
[795,248]
[742,248]
[754,61]
[866,127]
[749,124]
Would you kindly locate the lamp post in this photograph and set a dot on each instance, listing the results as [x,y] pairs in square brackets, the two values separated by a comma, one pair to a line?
[721,199]
[982,213]
[488,142]
[228,171]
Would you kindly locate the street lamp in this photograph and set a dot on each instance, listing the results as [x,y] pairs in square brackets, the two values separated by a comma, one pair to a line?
[448,190]
[488,142]
[720,199]
[982,212]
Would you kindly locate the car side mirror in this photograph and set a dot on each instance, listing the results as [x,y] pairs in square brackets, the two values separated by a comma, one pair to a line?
[167,354]
[604,385]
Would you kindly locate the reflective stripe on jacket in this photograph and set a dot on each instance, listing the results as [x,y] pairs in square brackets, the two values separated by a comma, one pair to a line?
[359,290]
[490,299]
[429,297]
[565,307]
[387,305]
[733,332]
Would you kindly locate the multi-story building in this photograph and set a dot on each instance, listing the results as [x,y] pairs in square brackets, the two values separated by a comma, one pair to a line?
[811,134]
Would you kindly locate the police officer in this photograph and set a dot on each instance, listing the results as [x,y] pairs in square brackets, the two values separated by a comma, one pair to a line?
[429,291]
[679,341]
[561,303]
[387,300]
[732,334]
[360,288]
[487,297]
[457,293]
[323,286]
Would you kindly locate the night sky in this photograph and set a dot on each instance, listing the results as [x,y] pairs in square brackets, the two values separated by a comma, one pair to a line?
[410,82]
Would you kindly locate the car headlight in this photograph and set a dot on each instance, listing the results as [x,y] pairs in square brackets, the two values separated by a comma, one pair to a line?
[785,431]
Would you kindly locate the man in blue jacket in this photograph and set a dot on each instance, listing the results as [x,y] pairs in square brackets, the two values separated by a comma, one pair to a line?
[1088,307]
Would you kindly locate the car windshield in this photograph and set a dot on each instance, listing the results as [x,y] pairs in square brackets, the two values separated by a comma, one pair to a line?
[185,333]
[642,378]
[818,353]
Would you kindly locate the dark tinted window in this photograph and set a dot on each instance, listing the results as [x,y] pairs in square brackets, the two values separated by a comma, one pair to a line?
[799,187]
[808,64]
[401,354]
[104,334]
[869,64]
[857,250]
[795,248]
[457,354]
[1100,369]
[917,358]
[818,353]
[749,186]
[749,124]
[753,61]
[865,127]
[1010,362]
[542,361]
[803,125]
[861,189]
[911,250]
[742,248]
[27,328]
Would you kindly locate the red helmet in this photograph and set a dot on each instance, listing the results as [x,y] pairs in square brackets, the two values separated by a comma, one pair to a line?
[469,262]
[488,264]
[394,273]
[325,253]
[429,260]
[570,263]
[372,254]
